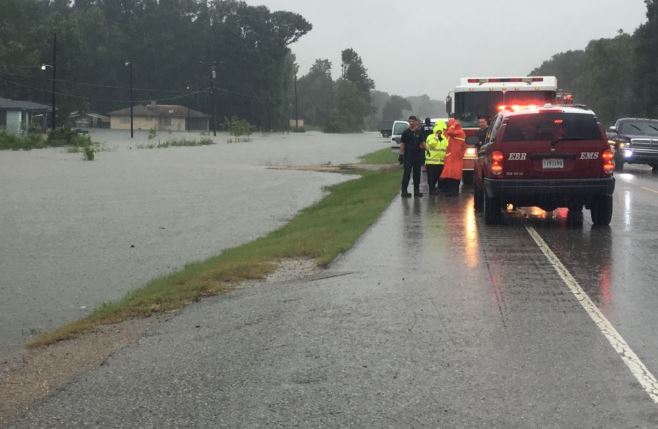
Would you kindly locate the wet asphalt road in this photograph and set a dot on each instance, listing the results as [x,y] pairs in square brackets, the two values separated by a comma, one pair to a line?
[75,234]
[433,320]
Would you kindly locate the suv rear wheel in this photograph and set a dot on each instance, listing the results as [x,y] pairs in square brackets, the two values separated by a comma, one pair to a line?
[575,215]
[601,210]
[619,165]
[477,199]
[492,207]
[467,177]
[654,168]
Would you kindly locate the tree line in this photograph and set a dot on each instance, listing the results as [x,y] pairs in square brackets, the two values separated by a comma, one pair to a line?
[351,103]
[173,45]
[616,76]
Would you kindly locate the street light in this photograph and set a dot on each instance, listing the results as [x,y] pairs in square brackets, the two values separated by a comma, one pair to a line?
[53,67]
[129,64]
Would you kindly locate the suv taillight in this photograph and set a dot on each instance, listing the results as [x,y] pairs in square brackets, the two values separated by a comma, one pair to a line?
[608,161]
[496,167]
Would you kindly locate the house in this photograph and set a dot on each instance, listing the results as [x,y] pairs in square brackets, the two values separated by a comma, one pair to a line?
[88,120]
[161,117]
[16,117]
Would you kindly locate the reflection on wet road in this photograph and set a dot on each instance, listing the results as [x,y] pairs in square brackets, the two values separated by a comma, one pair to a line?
[527,319]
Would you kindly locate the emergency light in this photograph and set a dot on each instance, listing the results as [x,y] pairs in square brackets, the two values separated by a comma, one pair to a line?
[527,80]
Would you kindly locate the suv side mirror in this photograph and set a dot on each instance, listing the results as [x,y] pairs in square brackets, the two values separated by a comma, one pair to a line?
[613,129]
[449,105]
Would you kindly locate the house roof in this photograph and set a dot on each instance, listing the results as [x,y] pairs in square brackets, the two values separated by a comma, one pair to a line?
[160,110]
[77,114]
[8,104]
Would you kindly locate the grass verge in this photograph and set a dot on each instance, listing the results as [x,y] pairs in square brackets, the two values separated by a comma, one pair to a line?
[383,156]
[321,231]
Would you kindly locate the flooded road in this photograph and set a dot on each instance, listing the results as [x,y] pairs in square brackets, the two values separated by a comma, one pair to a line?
[75,234]
[432,320]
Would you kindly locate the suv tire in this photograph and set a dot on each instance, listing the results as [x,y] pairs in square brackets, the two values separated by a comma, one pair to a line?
[575,216]
[491,207]
[467,177]
[601,210]
[477,199]
[654,169]
[619,165]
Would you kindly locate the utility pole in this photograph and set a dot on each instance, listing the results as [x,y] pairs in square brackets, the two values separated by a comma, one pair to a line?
[54,78]
[214,101]
[296,107]
[187,119]
[53,67]
[129,64]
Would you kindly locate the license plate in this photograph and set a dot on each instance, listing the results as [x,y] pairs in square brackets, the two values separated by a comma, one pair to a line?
[552,163]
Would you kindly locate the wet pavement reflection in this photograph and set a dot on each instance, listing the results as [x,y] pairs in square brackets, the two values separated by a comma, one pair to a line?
[503,268]
[505,310]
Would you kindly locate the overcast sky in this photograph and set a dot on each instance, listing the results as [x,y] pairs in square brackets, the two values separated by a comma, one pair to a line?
[426,49]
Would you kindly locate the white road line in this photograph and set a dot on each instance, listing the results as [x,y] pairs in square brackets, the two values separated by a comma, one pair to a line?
[650,190]
[632,361]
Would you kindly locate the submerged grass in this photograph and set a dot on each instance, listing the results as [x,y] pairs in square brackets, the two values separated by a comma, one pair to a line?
[321,231]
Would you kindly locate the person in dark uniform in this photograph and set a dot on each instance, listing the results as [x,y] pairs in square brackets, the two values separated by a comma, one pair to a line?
[412,152]
[483,126]
[428,129]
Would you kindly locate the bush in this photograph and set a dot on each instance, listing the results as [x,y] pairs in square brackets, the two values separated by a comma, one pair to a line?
[88,152]
[238,128]
[61,137]
[14,142]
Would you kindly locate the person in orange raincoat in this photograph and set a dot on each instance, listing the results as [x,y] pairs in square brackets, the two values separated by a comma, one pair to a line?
[452,171]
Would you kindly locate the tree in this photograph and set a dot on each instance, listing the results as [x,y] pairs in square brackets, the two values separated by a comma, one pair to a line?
[351,108]
[568,66]
[166,40]
[354,71]
[353,95]
[394,108]
[646,63]
[378,100]
[316,93]
[606,85]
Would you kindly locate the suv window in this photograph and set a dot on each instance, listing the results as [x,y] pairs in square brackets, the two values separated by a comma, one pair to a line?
[399,128]
[491,136]
[645,128]
[552,126]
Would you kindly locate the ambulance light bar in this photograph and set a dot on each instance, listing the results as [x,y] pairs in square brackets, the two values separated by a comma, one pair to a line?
[527,80]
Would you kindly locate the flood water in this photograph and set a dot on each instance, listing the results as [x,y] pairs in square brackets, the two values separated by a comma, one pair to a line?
[75,234]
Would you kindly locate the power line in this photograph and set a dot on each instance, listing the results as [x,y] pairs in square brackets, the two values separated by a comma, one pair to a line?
[106,100]
[98,85]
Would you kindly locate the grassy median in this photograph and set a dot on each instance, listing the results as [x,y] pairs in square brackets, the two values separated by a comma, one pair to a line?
[321,232]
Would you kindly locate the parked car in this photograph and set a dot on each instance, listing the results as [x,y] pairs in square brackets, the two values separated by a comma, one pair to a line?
[636,141]
[549,157]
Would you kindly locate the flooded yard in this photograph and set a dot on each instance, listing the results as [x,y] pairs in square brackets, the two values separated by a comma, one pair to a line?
[75,234]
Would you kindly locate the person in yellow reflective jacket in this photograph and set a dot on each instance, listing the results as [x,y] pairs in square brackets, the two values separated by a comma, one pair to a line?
[435,155]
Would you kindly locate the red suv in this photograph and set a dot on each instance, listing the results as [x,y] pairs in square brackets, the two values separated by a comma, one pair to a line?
[550,157]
